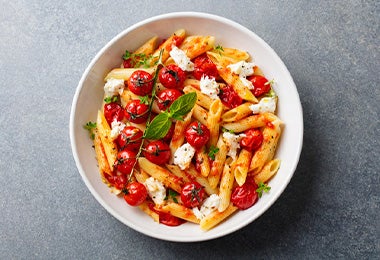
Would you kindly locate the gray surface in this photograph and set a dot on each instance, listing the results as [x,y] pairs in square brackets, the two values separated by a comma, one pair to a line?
[330,208]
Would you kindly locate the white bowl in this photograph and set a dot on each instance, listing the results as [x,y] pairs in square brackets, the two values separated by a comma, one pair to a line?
[88,99]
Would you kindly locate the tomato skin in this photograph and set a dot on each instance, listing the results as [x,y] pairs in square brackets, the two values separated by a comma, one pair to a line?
[166,97]
[135,193]
[260,84]
[172,76]
[229,97]
[166,218]
[125,161]
[253,139]
[113,111]
[140,83]
[130,138]
[192,194]
[136,112]
[118,181]
[157,152]
[245,196]
[197,134]
[204,66]
[168,137]
[128,63]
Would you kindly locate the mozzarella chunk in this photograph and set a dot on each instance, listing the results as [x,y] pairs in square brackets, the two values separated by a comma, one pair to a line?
[266,104]
[208,206]
[180,58]
[209,87]
[117,127]
[156,190]
[183,156]
[243,69]
[233,143]
[113,87]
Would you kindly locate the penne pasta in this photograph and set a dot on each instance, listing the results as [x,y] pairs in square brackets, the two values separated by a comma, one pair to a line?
[268,171]
[242,166]
[254,121]
[179,135]
[179,211]
[218,163]
[226,185]
[125,74]
[216,109]
[237,113]
[216,217]
[202,158]
[202,99]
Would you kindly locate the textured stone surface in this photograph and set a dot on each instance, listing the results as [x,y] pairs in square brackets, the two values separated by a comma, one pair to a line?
[330,208]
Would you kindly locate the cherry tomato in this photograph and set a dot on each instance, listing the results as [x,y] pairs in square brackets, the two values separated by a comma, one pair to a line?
[260,85]
[118,181]
[192,194]
[253,139]
[245,196]
[135,193]
[166,97]
[157,152]
[168,137]
[125,161]
[113,111]
[136,112]
[229,97]
[172,76]
[130,138]
[128,63]
[177,40]
[140,83]
[204,66]
[166,218]
[197,134]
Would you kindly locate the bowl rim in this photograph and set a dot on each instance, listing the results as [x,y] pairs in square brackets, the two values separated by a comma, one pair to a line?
[85,74]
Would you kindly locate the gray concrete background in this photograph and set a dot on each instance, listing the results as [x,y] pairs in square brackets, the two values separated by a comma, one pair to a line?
[330,208]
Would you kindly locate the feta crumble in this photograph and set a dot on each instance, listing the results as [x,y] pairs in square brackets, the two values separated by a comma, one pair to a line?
[156,190]
[183,156]
[233,143]
[117,127]
[180,58]
[208,206]
[113,87]
[209,87]
[266,104]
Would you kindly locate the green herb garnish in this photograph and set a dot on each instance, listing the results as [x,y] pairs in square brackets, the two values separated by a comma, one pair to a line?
[225,130]
[263,187]
[110,99]
[90,126]
[212,152]
[172,195]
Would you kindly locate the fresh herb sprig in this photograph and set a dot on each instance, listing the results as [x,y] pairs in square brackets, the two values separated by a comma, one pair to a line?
[90,126]
[263,187]
[213,150]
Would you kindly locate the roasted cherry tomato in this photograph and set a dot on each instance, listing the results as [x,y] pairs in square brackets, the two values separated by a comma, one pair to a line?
[229,97]
[125,161]
[197,134]
[245,196]
[192,194]
[172,76]
[140,83]
[130,138]
[113,111]
[128,63]
[157,152]
[260,85]
[252,140]
[204,66]
[166,218]
[136,112]
[166,97]
[168,137]
[135,193]
[118,181]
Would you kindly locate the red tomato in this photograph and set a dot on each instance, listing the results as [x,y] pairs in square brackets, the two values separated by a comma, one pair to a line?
[140,83]
[260,84]
[130,138]
[135,193]
[113,111]
[172,76]
[125,161]
[204,66]
[166,97]
[168,137]
[197,134]
[253,139]
[136,112]
[166,218]
[118,181]
[177,40]
[245,196]
[128,63]
[192,194]
[229,97]
[157,152]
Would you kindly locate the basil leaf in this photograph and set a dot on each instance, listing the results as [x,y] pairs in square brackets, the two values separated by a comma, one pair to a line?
[182,105]
[159,127]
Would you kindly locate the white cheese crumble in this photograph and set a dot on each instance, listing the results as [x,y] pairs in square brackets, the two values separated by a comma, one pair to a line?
[156,190]
[180,58]
[113,87]
[183,156]
[233,143]
[209,87]
[117,127]
[266,104]
[243,69]
[208,206]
